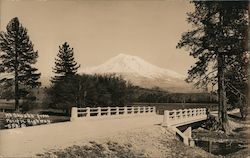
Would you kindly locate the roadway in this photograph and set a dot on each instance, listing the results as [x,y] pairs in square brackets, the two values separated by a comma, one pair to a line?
[27,142]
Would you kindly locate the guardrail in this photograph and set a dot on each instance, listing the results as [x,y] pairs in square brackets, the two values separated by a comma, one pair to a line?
[183,116]
[77,113]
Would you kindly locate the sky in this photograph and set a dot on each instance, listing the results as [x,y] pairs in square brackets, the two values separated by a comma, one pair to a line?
[101,29]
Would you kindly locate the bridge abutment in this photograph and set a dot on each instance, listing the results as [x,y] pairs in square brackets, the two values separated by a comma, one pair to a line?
[175,118]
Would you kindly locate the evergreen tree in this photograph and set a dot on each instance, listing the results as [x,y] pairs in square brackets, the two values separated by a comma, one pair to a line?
[236,84]
[65,64]
[18,57]
[216,41]
[64,92]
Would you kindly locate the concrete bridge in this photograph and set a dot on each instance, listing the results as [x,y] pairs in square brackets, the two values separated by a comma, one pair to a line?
[87,124]
[183,116]
[172,119]
[176,118]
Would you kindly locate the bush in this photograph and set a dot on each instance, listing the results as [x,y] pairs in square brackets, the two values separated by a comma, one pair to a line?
[29,105]
[211,123]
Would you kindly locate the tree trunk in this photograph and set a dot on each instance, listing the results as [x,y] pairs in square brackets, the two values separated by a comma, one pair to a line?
[247,45]
[222,113]
[16,81]
[16,92]
[68,111]
[248,94]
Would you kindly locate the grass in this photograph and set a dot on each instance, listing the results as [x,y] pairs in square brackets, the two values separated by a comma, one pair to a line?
[93,150]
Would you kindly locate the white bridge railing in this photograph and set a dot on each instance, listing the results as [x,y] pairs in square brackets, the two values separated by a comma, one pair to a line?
[77,113]
[183,116]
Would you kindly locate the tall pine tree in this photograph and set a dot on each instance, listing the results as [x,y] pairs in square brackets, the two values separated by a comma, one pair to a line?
[216,42]
[65,64]
[63,91]
[17,58]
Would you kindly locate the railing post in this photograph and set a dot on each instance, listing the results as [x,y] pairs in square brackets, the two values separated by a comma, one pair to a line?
[200,112]
[180,113]
[99,111]
[165,118]
[175,118]
[144,109]
[139,109]
[74,114]
[109,111]
[174,114]
[132,110]
[125,110]
[88,111]
[117,110]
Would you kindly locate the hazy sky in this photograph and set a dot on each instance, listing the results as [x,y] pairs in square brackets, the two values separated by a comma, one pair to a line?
[101,29]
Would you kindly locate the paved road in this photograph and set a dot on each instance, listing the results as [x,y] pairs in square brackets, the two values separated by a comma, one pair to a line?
[27,142]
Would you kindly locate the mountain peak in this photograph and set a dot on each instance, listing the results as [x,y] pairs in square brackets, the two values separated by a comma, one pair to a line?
[140,73]
[125,58]
[124,64]
[121,55]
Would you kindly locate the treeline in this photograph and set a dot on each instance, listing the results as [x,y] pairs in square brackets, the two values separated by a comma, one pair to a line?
[156,95]
[111,90]
[89,90]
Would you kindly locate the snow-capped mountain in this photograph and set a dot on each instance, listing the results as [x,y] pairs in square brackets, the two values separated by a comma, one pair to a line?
[123,63]
[140,72]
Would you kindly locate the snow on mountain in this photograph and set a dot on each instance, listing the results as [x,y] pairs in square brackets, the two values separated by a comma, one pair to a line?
[140,72]
[132,65]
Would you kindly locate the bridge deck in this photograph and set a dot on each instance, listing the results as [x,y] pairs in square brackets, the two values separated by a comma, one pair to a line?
[188,122]
[26,142]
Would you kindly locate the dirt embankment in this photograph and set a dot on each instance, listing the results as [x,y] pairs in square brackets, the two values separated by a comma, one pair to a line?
[151,141]
[240,136]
